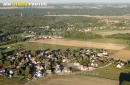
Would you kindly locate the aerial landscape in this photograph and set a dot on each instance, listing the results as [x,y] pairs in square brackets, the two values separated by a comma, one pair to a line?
[55,42]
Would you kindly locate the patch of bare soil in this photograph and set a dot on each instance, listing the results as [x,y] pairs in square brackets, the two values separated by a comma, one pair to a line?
[123,55]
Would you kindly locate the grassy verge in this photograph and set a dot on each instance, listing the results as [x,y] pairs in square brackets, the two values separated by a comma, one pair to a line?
[11,81]
[108,72]
[43,46]
[72,80]
[11,48]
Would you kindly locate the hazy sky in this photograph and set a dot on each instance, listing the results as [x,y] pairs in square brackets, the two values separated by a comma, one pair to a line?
[56,1]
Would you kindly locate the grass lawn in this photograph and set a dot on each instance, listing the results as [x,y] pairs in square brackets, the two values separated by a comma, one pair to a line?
[43,46]
[72,80]
[108,72]
[11,81]
[11,48]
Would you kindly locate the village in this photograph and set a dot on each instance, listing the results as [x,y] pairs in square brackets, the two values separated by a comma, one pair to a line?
[33,64]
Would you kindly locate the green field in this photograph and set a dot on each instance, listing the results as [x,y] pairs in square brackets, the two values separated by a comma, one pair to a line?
[108,72]
[72,80]
[43,46]
[11,48]
[11,81]
[109,40]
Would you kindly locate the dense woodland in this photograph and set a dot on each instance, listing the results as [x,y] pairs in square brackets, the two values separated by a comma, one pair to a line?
[11,27]
[119,36]
[81,35]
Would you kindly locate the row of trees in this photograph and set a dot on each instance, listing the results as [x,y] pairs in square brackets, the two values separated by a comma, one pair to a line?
[125,36]
[81,35]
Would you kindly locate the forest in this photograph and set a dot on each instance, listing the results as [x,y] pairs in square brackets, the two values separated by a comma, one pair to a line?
[125,36]
[11,27]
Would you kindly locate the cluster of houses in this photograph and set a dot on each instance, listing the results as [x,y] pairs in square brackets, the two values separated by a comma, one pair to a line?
[53,61]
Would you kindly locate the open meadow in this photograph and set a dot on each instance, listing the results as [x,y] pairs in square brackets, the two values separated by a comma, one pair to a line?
[73,80]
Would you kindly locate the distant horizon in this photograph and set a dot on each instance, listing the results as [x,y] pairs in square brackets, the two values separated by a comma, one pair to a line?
[69,1]
[76,2]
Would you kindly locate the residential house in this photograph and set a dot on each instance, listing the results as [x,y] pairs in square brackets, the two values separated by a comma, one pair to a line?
[10,71]
[83,68]
[100,55]
[105,53]
[2,70]
[58,69]
[66,70]
[65,60]
[39,67]
[76,64]
[94,64]
[39,74]
[48,71]
[120,64]
[91,68]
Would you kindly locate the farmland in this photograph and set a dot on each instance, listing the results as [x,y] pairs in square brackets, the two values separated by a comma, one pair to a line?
[91,37]
[82,44]
[73,80]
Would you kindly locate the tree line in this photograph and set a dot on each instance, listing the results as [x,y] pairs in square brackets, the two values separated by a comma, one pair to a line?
[81,35]
[125,36]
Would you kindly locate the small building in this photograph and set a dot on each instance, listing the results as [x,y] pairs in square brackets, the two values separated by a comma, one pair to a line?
[66,70]
[83,68]
[119,66]
[2,70]
[48,71]
[76,64]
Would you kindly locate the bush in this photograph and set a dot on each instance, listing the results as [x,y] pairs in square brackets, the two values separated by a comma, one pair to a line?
[125,83]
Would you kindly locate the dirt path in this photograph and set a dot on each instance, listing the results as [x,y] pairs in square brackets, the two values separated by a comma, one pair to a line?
[81,43]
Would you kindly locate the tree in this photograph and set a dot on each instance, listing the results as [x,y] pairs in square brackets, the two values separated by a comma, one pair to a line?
[33,53]
[1,56]
[15,52]
[125,83]
[29,76]
[1,63]
[15,74]
[27,71]
[7,63]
